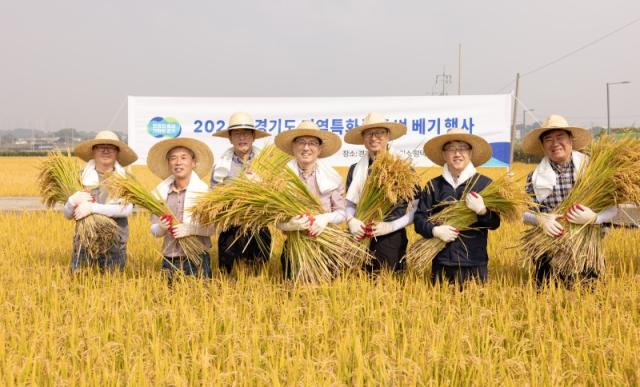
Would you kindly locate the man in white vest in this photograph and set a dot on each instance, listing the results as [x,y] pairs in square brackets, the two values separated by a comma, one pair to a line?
[552,180]
[241,133]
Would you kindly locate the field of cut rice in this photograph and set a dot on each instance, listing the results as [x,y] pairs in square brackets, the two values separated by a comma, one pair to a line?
[255,329]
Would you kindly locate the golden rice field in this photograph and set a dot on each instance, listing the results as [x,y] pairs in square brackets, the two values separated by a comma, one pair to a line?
[254,329]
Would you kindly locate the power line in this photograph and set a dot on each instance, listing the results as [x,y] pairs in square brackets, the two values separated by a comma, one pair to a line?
[570,53]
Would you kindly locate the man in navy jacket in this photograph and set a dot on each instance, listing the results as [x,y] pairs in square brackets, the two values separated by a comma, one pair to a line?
[465,254]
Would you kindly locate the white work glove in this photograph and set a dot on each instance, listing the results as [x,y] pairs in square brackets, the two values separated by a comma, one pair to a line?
[182,230]
[252,176]
[445,233]
[318,224]
[357,228]
[297,223]
[580,214]
[382,228]
[83,210]
[550,225]
[79,197]
[475,203]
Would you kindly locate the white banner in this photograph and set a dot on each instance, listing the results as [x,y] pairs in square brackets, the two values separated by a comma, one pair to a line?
[152,119]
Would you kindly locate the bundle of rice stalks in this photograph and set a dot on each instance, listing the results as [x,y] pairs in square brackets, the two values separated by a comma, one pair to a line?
[130,190]
[503,196]
[275,196]
[391,181]
[611,177]
[59,178]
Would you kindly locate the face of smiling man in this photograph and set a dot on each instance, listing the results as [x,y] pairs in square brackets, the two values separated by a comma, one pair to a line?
[181,162]
[557,145]
[105,155]
[375,140]
[242,141]
[457,155]
[306,150]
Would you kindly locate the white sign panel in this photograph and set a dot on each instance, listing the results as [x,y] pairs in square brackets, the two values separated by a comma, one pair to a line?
[152,119]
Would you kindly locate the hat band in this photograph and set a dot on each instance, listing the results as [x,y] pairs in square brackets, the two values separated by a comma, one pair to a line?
[243,125]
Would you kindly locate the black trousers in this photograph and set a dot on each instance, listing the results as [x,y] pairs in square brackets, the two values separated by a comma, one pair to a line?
[458,274]
[388,252]
[544,274]
[245,248]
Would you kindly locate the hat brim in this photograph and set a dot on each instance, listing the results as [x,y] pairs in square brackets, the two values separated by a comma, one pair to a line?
[157,156]
[532,145]
[126,155]
[330,141]
[354,136]
[481,150]
[257,132]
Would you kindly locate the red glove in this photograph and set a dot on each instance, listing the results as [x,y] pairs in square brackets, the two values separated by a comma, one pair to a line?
[168,218]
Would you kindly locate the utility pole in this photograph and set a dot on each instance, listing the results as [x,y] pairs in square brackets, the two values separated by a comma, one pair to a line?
[459,68]
[608,109]
[513,121]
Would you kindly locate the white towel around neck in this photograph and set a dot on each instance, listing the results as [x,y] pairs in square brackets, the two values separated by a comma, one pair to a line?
[544,178]
[91,180]
[466,174]
[326,177]
[196,188]
[223,165]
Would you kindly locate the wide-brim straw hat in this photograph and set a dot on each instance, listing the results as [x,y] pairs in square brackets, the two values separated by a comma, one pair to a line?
[532,144]
[126,155]
[241,120]
[330,141]
[481,151]
[374,120]
[157,156]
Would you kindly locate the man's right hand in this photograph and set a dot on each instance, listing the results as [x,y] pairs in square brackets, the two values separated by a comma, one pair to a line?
[550,225]
[445,233]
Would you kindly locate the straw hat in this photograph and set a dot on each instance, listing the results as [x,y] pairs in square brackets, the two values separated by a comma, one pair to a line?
[330,141]
[126,155]
[374,120]
[532,143]
[157,156]
[481,150]
[241,120]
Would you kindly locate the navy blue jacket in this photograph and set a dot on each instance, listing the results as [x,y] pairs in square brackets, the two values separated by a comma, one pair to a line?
[470,248]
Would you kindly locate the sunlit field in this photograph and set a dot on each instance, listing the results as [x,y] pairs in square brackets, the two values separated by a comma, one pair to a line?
[255,329]
[20,173]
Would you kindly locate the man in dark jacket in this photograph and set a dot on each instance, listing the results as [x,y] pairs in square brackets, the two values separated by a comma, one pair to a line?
[465,254]
[388,238]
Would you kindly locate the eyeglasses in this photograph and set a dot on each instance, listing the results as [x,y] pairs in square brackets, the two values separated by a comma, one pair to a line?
[310,143]
[375,133]
[453,151]
[548,140]
[106,148]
